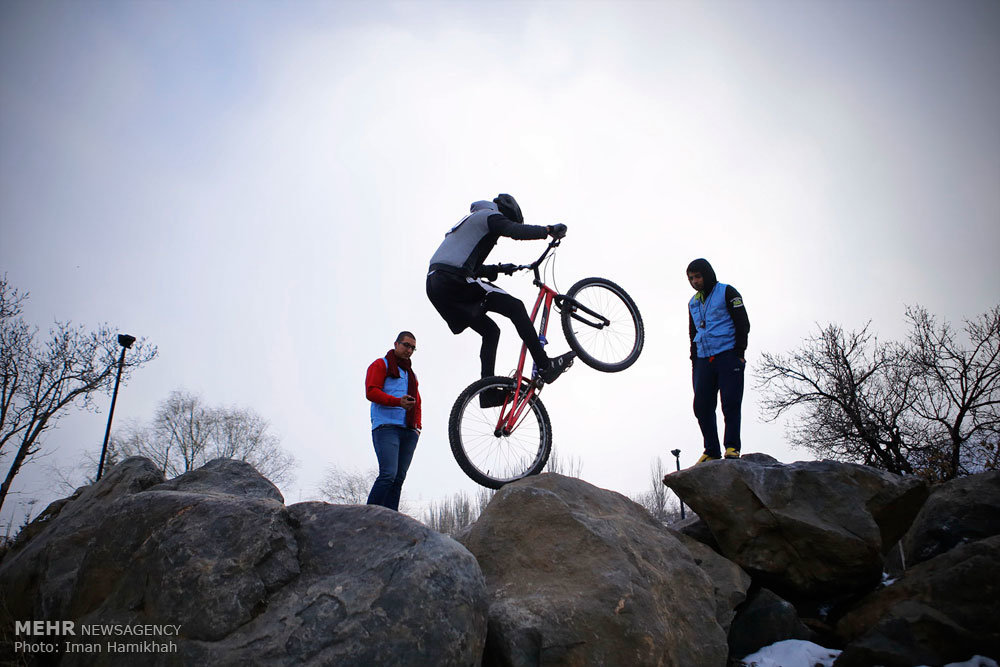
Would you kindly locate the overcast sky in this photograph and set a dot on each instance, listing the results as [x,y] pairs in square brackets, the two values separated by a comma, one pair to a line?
[257,187]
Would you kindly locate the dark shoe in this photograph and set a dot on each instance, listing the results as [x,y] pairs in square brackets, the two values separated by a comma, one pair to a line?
[556,367]
[492,398]
[732,453]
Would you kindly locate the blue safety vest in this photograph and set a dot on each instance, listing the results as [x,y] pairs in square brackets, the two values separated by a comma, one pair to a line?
[383,414]
[715,331]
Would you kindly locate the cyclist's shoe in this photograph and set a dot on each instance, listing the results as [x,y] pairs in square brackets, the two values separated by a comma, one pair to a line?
[556,367]
[492,398]
[706,457]
[732,453]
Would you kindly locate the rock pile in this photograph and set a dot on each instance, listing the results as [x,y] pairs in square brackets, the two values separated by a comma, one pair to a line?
[244,579]
[554,572]
[814,535]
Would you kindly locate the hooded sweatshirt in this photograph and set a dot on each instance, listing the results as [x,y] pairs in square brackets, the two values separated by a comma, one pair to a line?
[467,244]
[717,318]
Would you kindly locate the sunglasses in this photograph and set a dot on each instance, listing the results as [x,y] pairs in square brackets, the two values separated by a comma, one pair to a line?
[409,346]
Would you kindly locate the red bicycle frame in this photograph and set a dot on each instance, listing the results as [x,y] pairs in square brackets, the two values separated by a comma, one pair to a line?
[524,391]
[513,410]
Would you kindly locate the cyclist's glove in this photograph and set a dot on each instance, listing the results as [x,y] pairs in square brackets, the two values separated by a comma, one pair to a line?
[509,269]
[489,271]
[557,231]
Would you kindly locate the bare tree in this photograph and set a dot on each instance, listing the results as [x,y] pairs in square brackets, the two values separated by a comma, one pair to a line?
[38,382]
[346,487]
[571,467]
[926,407]
[179,436]
[657,499]
[242,434]
[959,392]
[854,394]
[185,434]
[453,515]
[351,487]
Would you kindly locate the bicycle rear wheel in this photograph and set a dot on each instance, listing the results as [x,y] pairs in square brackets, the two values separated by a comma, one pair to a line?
[488,456]
[602,325]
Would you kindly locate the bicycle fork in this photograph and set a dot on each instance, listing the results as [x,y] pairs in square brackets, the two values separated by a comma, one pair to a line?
[599,321]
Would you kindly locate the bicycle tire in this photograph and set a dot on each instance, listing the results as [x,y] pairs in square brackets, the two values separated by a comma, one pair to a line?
[492,459]
[612,348]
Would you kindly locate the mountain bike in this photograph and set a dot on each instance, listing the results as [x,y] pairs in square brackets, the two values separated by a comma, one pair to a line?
[497,445]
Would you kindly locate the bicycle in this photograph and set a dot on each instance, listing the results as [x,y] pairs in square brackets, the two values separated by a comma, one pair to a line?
[498,445]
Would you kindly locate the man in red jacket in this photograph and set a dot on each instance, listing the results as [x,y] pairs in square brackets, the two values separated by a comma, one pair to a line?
[391,386]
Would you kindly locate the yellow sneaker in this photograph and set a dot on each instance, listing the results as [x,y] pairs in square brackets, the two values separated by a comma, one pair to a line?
[732,453]
[706,457]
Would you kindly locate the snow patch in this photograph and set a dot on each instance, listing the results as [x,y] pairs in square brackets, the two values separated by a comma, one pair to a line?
[792,653]
[799,653]
[975,661]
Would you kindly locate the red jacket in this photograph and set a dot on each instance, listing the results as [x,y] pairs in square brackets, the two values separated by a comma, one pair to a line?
[375,380]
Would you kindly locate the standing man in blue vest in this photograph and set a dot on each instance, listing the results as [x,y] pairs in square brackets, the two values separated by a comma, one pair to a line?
[718,326]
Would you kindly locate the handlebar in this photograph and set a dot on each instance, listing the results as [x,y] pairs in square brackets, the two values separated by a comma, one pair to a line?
[554,243]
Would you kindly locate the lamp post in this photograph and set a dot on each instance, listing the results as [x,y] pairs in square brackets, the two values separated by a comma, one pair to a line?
[677,455]
[126,342]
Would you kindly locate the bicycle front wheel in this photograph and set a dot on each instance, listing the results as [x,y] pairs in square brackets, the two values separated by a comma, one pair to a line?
[602,325]
[489,455]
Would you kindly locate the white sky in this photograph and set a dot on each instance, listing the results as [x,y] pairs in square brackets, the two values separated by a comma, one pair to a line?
[257,187]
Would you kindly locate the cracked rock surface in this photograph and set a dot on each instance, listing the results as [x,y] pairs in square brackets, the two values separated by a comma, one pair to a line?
[580,575]
[814,529]
[247,579]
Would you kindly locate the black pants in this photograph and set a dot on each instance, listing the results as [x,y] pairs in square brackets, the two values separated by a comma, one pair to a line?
[464,303]
[715,377]
[511,308]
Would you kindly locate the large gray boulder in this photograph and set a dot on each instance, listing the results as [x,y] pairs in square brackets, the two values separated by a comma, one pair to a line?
[728,579]
[376,588]
[38,575]
[962,510]
[943,610]
[695,528]
[583,576]
[245,579]
[813,529]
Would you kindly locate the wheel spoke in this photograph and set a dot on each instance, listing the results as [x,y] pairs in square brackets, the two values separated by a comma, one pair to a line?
[611,347]
[488,455]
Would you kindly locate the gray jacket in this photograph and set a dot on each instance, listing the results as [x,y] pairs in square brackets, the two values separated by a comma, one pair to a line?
[467,244]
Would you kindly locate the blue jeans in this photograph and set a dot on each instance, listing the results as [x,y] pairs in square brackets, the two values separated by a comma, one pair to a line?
[394,447]
[721,375]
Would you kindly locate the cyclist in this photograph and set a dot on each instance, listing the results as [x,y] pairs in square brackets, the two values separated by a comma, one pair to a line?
[458,284]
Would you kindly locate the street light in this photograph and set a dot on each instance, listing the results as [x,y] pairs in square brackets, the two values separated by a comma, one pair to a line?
[677,455]
[126,342]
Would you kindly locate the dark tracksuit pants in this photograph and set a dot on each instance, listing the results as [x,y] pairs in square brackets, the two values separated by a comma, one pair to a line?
[468,302]
[719,376]
[511,308]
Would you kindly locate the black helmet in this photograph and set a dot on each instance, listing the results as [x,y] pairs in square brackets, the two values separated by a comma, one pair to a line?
[508,206]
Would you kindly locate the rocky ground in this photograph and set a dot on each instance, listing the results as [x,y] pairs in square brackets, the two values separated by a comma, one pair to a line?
[554,572]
